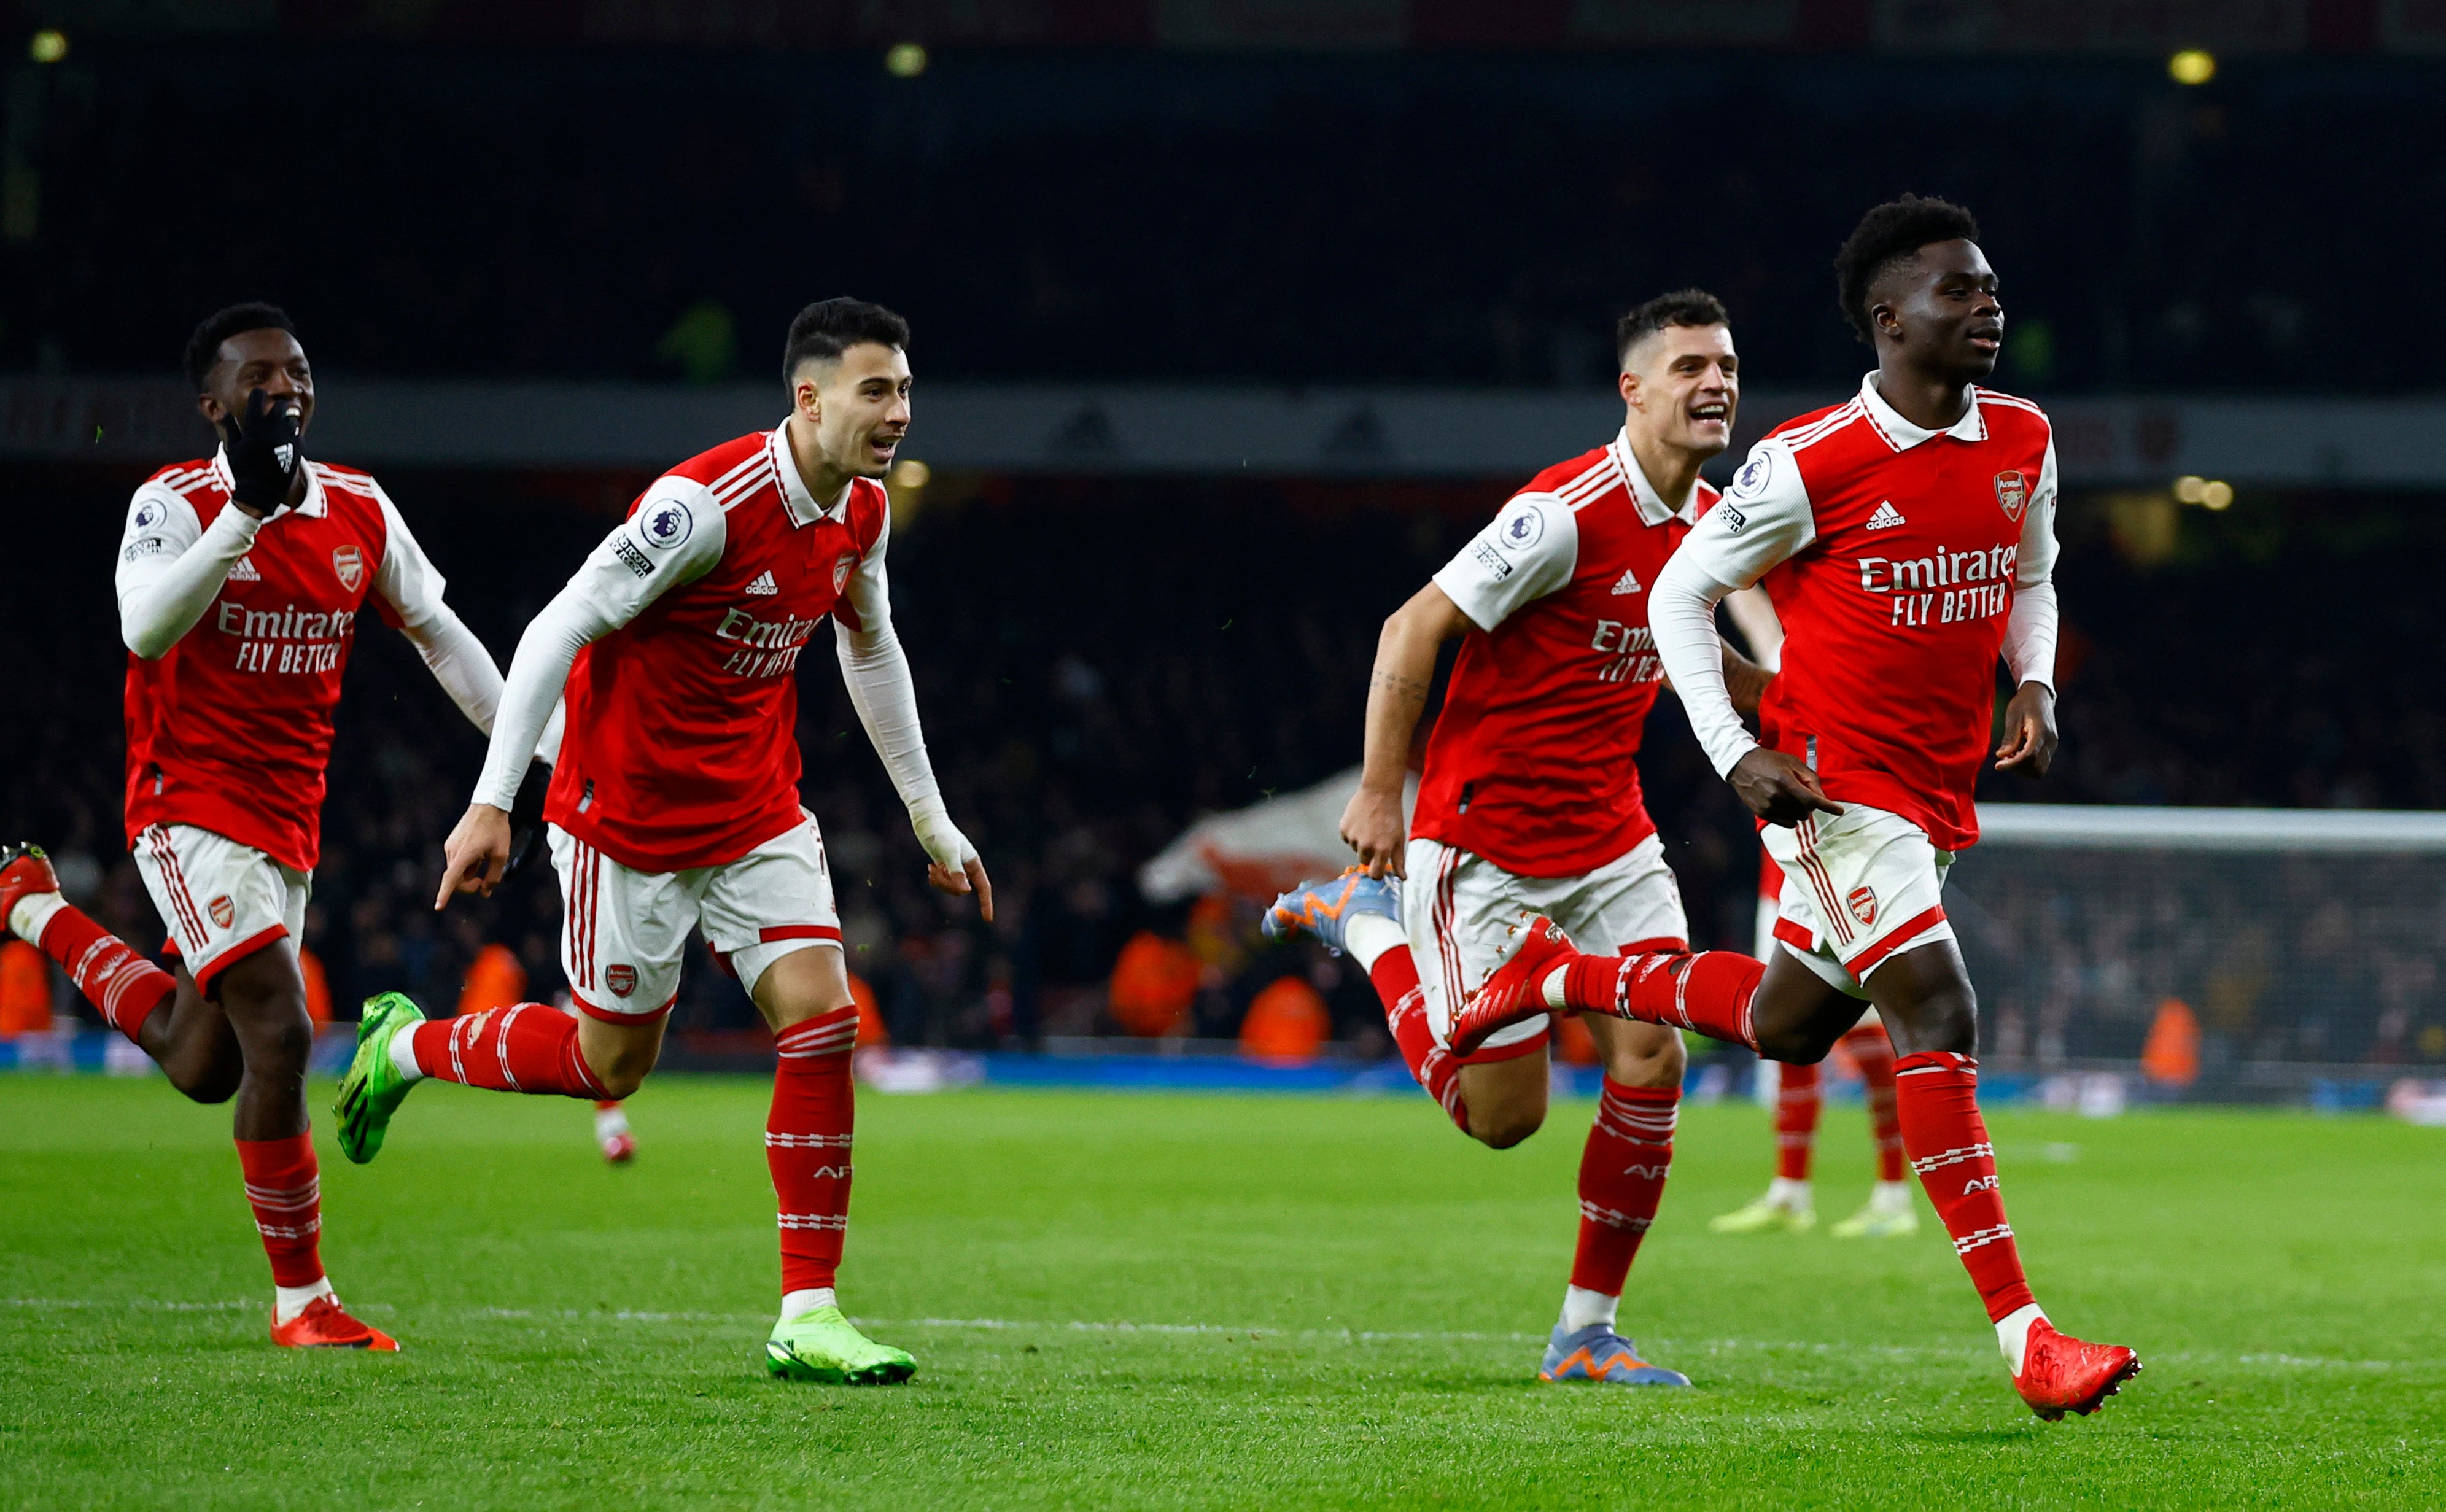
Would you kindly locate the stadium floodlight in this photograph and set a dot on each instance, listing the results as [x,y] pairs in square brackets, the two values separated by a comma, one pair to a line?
[2295,935]
[906,60]
[47,46]
[2192,65]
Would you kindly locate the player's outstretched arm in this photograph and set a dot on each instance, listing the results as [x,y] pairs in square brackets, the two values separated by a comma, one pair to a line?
[1404,674]
[876,669]
[628,571]
[2030,633]
[1762,521]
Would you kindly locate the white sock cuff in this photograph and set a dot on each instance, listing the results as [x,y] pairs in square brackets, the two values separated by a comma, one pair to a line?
[403,1053]
[1790,1193]
[1582,1307]
[33,915]
[1367,936]
[2013,1334]
[287,1302]
[1552,987]
[798,1304]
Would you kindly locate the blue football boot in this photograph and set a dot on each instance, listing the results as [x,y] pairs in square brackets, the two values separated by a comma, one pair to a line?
[1597,1352]
[1323,909]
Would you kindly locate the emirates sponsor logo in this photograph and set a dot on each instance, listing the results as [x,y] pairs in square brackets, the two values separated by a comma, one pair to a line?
[1863,903]
[1628,583]
[224,912]
[622,979]
[1886,517]
[244,572]
[764,585]
[350,565]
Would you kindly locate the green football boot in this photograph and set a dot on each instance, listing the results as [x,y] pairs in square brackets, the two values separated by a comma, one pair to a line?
[374,1089]
[824,1346]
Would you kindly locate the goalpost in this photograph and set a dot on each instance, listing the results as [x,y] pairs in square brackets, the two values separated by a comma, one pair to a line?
[2304,942]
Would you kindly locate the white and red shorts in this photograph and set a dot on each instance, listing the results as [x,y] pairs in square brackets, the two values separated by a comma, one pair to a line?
[623,932]
[1858,886]
[1461,912]
[222,901]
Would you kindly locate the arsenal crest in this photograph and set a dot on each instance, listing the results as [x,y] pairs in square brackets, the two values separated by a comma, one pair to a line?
[223,911]
[2013,492]
[621,979]
[841,571]
[350,565]
[1864,904]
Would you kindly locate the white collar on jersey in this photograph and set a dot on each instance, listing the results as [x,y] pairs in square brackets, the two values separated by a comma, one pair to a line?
[1652,508]
[315,507]
[795,497]
[1902,434]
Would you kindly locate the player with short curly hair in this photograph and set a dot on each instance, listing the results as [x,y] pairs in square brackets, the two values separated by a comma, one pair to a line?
[1908,538]
[241,578]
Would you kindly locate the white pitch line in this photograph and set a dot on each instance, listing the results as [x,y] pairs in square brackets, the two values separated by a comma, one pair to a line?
[1341,1335]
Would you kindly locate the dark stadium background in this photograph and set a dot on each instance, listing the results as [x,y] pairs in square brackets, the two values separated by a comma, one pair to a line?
[1359,195]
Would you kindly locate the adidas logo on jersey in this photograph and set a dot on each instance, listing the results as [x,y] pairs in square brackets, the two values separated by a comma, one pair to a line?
[1628,583]
[244,572]
[1885,517]
[764,584]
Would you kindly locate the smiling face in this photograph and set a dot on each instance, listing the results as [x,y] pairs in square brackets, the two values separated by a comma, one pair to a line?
[858,406]
[270,360]
[1939,307]
[1682,385]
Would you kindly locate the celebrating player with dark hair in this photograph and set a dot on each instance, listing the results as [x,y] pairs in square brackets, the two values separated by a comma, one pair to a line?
[240,579]
[675,802]
[1531,799]
[1907,538]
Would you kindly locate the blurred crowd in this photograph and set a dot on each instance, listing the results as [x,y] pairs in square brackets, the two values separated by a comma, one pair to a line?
[1100,663]
[1404,216]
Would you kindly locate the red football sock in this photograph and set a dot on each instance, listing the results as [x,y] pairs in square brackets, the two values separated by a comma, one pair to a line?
[523,1047]
[1936,1094]
[116,979]
[1395,976]
[1622,1177]
[1797,1102]
[286,1188]
[1708,992]
[1874,1054]
[807,1143]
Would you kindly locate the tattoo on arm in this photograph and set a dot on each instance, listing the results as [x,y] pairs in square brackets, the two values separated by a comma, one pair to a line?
[1409,689]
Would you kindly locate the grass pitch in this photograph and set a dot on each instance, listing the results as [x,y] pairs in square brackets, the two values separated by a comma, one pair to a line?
[1195,1301]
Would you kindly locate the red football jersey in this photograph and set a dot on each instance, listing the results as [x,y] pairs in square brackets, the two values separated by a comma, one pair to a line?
[1896,607]
[231,729]
[1532,761]
[682,746]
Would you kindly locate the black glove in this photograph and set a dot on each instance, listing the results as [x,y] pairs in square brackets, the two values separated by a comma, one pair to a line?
[263,457]
[526,819]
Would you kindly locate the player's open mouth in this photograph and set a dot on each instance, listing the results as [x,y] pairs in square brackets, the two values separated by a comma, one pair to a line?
[1987,341]
[1705,413]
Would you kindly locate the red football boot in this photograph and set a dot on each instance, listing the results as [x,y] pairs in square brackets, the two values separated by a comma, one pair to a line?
[1515,991]
[2060,1373]
[24,869]
[326,1325]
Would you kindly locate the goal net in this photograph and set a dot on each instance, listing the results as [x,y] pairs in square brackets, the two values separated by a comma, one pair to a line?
[2287,936]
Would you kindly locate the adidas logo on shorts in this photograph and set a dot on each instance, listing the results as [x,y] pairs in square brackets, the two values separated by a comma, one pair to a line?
[244,572]
[764,584]
[1628,583]
[1885,517]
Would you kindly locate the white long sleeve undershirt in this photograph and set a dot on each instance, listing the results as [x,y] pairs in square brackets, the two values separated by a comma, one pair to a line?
[165,588]
[528,723]
[2030,635]
[1682,615]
